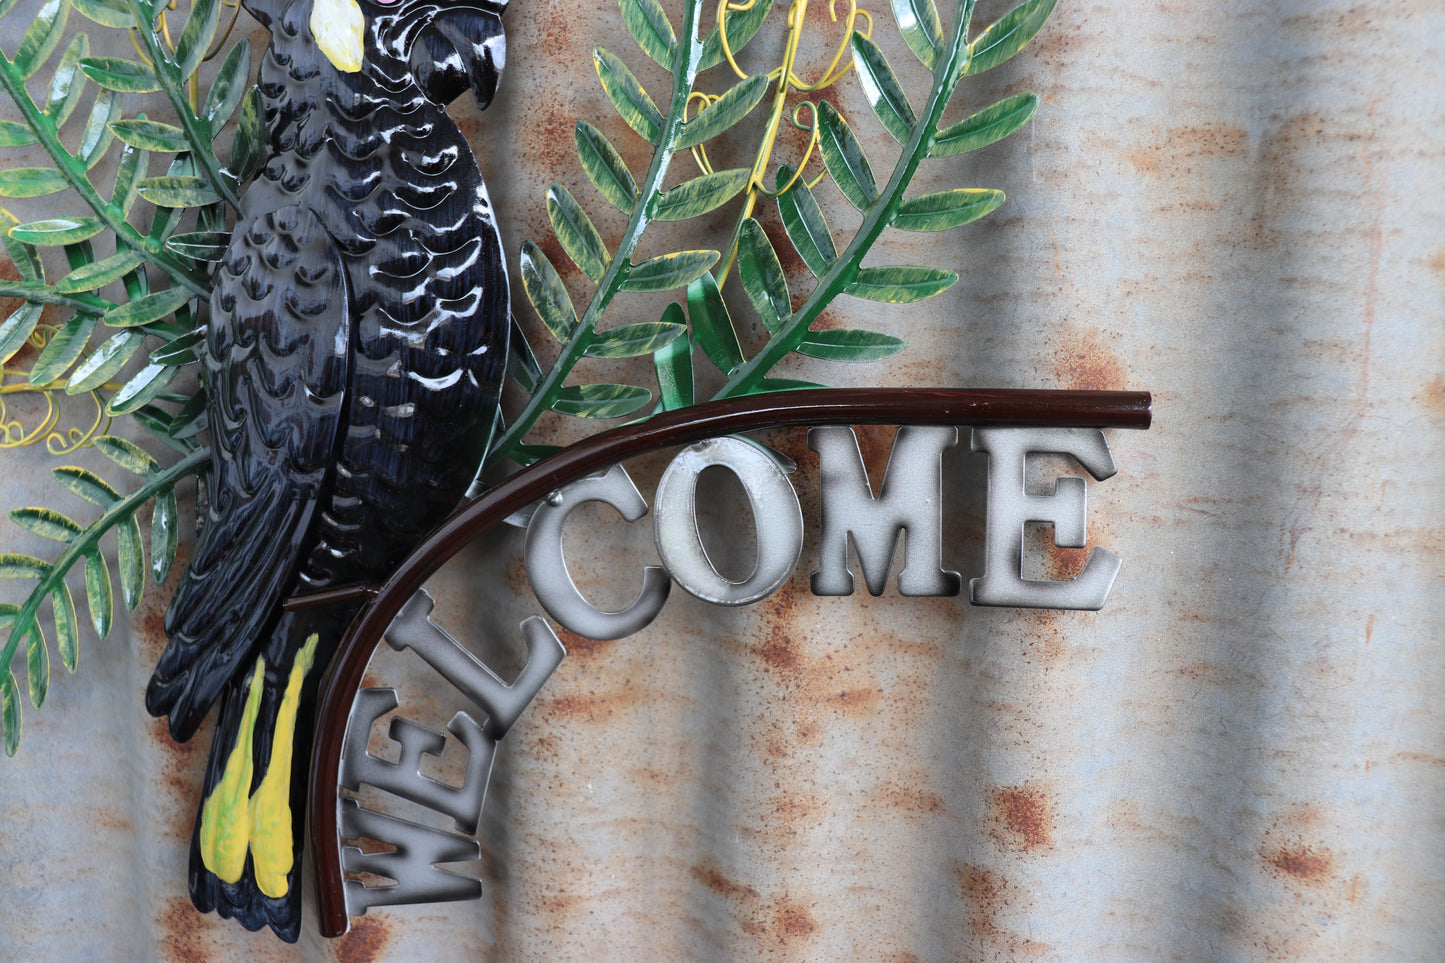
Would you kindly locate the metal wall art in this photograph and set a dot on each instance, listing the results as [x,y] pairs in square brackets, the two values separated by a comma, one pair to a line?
[336,279]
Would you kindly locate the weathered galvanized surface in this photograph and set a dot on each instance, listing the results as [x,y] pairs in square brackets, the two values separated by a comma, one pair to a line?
[1234,205]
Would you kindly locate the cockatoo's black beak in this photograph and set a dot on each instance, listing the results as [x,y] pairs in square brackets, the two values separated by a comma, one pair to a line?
[463,46]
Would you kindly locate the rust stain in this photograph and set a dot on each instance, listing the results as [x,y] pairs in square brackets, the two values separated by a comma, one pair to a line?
[791,810]
[581,647]
[792,921]
[911,799]
[858,702]
[780,652]
[1437,263]
[1432,398]
[986,894]
[186,936]
[1181,145]
[366,942]
[713,878]
[1085,362]
[1022,818]
[1303,863]
[593,707]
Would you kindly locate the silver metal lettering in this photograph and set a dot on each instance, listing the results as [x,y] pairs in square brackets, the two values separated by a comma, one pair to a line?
[463,803]
[910,500]
[1010,506]
[411,864]
[777,519]
[412,629]
[547,567]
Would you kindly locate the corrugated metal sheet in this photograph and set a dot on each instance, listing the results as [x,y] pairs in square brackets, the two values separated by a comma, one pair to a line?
[1234,205]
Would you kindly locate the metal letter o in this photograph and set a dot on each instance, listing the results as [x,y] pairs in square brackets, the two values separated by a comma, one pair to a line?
[777,521]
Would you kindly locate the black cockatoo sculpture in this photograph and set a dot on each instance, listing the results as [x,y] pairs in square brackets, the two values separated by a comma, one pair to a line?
[354,353]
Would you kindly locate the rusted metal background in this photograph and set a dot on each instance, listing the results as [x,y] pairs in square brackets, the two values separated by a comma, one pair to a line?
[1237,206]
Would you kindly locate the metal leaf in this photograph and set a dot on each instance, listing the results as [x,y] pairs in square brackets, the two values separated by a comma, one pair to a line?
[142,389]
[844,157]
[87,485]
[58,231]
[804,222]
[988,126]
[762,276]
[669,271]
[627,95]
[37,664]
[699,195]
[124,76]
[673,364]
[98,274]
[880,85]
[152,307]
[900,283]
[1007,35]
[743,25]
[712,326]
[723,113]
[63,348]
[601,401]
[68,83]
[249,145]
[547,293]
[632,340]
[196,35]
[199,245]
[127,455]
[41,38]
[649,26]
[605,167]
[918,22]
[98,136]
[230,84]
[67,632]
[15,565]
[16,330]
[183,350]
[128,175]
[522,366]
[173,191]
[106,360]
[99,594]
[31,182]
[25,258]
[850,344]
[107,13]
[574,229]
[946,209]
[164,534]
[47,523]
[191,419]
[130,560]
[151,135]
[10,711]
[15,134]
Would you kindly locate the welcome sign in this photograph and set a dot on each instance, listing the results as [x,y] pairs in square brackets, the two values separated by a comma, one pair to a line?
[1006,426]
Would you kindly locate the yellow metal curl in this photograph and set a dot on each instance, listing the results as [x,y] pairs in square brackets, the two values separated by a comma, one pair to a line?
[14,434]
[235,6]
[786,80]
[834,73]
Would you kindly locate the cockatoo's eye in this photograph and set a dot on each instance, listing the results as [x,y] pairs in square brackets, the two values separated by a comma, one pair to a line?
[339,29]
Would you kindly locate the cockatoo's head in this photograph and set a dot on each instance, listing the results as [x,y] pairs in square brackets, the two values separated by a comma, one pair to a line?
[443,40]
